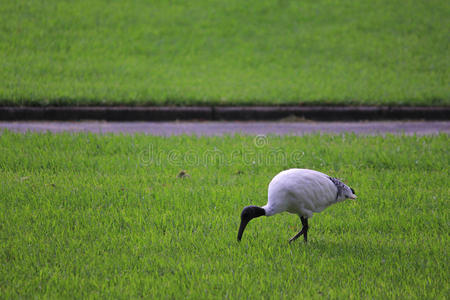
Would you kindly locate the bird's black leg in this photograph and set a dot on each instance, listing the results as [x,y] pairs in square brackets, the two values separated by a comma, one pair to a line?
[304,230]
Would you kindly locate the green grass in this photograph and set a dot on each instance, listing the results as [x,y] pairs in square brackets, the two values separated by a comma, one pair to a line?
[224,52]
[84,215]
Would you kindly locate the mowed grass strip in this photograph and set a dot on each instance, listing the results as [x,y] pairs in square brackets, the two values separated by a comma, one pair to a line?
[106,215]
[224,52]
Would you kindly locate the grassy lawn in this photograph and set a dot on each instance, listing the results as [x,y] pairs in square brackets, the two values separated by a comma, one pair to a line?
[224,52]
[102,215]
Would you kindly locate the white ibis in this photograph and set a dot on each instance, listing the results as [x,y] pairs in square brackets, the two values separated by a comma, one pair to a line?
[301,192]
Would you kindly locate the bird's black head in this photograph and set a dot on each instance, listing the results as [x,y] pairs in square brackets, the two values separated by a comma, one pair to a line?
[247,214]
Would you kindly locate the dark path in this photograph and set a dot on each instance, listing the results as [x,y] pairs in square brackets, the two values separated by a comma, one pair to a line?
[225,113]
[220,128]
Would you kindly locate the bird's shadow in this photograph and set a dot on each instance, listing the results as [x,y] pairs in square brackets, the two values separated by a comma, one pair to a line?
[344,248]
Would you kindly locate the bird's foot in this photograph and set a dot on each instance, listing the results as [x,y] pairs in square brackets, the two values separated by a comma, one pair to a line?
[296,236]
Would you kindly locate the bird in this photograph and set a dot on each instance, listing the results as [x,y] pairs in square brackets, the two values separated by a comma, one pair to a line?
[301,192]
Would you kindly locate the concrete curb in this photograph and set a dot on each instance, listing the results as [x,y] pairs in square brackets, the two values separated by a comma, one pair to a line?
[229,113]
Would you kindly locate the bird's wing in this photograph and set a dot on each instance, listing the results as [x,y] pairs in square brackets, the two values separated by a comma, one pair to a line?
[301,191]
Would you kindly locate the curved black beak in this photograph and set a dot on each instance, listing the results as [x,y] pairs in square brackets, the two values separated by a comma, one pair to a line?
[247,214]
[241,229]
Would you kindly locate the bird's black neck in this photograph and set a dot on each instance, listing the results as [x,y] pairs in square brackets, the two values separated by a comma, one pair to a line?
[253,212]
[249,213]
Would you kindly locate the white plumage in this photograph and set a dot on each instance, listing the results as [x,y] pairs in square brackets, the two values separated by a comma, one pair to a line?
[298,191]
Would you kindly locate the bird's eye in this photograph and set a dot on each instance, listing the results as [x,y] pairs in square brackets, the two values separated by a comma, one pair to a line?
[353,191]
